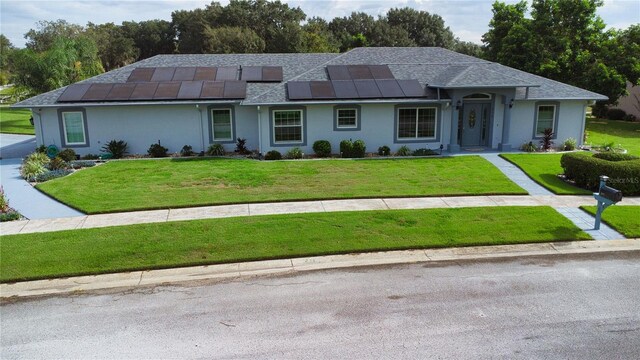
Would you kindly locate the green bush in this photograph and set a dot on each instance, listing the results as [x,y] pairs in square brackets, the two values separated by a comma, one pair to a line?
[384,150]
[423,152]
[41,149]
[78,164]
[46,176]
[528,147]
[37,157]
[157,150]
[612,156]
[91,157]
[187,150]
[346,148]
[295,153]
[30,169]
[616,114]
[67,155]
[9,216]
[4,202]
[585,170]
[241,146]
[359,149]
[117,148]
[215,150]
[57,163]
[547,139]
[570,144]
[273,155]
[322,148]
[403,151]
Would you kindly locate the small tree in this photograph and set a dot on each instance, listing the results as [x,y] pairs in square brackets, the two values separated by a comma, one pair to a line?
[547,137]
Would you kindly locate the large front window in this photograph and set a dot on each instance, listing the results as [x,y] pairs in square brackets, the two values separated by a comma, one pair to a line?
[287,126]
[546,117]
[417,123]
[221,124]
[73,123]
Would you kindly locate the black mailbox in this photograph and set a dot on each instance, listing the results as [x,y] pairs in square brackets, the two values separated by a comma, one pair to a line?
[611,193]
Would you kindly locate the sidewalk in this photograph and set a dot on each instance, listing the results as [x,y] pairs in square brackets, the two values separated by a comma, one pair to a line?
[291,266]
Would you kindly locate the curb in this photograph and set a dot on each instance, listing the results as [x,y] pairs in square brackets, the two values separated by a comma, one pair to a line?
[296,265]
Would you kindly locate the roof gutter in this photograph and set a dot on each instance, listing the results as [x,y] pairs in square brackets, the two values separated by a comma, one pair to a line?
[352,101]
[87,104]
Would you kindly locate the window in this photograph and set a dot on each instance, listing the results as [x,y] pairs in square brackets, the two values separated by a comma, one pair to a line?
[73,128]
[221,124]
[347,118]
[416,123]
[546,118]
[287,126]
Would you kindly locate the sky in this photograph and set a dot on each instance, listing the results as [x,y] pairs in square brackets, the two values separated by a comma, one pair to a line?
[468,19]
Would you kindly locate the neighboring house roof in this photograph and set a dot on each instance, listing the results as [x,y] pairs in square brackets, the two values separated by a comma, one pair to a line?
[431,66]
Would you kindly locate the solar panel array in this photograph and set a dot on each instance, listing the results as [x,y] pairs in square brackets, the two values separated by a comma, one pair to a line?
[359,72]
[261,73]
[355,89]
[160,74]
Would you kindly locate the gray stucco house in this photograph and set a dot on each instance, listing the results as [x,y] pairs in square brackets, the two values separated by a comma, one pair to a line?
[419,97]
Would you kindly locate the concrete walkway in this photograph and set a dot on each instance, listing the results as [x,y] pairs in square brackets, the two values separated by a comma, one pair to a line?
[516,175]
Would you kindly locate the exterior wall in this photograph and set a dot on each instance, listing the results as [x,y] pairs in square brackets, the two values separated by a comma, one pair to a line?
[630,103]
[570,121]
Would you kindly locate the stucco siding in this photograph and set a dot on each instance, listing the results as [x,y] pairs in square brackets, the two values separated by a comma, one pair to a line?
[570,121]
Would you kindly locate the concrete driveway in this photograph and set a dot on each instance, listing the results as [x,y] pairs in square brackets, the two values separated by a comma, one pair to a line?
[14,146]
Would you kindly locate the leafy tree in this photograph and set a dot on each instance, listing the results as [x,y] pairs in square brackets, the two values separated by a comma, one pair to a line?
[189,26]
[47,32]
[6,49]
[151,37]
[114,47]
[231,40]
[468,48]
[504,18]
[318,37]
[423,28]
[352,31]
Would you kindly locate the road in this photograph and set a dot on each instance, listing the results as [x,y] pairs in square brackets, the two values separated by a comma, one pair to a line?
[583,307]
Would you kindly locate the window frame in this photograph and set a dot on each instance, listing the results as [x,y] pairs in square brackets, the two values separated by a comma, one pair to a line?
[63,128]
[536,116]
[336,118]
[303,126]
[436,133]
[232,113]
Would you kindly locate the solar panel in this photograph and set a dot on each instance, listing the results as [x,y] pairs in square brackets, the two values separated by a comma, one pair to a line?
[227,73]
[381,72]
[389,88]
[345,89]
[141,74]
[163,74]
[190,90]
[205,73]
[97,92]
[74,92]
[167,91]
[272,73]
[212,90]
[367,89]
[184,74]
[359,72]
[144,91]
[338,72]
[299,90]
[322,90]
[411,88]
[235,90]
[252,73]
[120,92]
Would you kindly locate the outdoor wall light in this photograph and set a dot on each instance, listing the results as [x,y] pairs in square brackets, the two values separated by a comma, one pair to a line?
[510,103]
[458,104]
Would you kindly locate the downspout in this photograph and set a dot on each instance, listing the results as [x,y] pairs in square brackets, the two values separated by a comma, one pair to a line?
[201,127]
[40,124]
[259,130]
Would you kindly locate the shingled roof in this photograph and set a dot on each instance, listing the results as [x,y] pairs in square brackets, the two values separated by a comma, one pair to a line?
[433,67]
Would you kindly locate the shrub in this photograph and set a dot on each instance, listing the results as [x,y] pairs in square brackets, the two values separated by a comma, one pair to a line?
[359,148]
[346,148]
[570,144]
[528,147]
[57,163]
[384,150]
[215,150]
[37,157]
[241,146]
[630,117]
[67,155]
[157,150]
[79,164]
[4,202]
[41,149]
[46,176]
[295,153]
[403,151]
[547,136]
[585,170]
[91,157]
[612,156]
[117,148]
[423,152]
[322,148]
[273,155]
[616,114]
[187,150]
[9,216]
[30,169]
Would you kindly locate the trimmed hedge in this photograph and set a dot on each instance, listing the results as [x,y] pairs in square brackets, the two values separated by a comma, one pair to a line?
[613,156]
[585,170]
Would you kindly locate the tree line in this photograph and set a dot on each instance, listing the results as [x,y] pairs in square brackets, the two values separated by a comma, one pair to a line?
[563,40]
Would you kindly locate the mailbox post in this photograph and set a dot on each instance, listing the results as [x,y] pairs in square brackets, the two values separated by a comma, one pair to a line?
[606,197]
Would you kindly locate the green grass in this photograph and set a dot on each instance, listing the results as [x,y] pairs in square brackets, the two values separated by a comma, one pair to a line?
[153,184]
[625,219]
[543,169]
[624,133]
[15,121]
[175,244]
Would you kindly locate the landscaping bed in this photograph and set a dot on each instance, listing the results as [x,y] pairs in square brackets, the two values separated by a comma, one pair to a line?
[187,243]
[625,219]
[170,183]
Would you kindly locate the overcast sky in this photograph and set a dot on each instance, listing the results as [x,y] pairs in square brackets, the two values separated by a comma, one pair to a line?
[467,19]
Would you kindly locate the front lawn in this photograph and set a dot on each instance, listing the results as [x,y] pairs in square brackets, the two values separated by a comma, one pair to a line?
[625,219]
[171,183]
[175,244]
[617,132]
[15,121]
[543,169]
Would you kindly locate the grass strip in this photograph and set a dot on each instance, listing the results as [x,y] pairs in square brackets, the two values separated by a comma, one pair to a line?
[172,183]
[15,121]
[176,244]
[625,219]
[544,170]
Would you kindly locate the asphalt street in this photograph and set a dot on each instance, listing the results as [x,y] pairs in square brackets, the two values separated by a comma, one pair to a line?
[579,307]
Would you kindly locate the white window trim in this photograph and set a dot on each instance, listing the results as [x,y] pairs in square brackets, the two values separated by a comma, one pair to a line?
[435,125]
[213,127]
[64,128]
[354,126]
[273,115]
[553,118]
